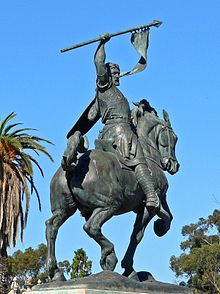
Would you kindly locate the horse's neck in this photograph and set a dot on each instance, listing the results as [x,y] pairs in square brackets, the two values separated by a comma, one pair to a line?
[147,134]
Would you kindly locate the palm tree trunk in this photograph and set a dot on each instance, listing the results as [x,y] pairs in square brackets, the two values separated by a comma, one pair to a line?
[3,271]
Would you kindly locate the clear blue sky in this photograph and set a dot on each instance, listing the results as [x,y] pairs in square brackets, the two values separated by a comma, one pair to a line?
[49,90]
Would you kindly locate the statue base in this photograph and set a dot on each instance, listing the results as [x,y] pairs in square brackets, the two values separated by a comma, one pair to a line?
[108,282]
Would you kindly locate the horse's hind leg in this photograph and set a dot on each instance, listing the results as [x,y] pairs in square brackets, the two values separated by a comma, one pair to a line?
[92,227]
[142,220]
[52,226]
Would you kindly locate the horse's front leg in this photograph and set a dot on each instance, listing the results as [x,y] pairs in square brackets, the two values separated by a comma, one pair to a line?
[162,225]
[92,227]
[142,220]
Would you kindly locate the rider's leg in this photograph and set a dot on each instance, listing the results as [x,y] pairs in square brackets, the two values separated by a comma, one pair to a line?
[145,180]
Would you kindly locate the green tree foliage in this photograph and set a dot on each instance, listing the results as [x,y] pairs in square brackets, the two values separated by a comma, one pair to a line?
[31,262]
[81,266]
[3,274]
[200,260]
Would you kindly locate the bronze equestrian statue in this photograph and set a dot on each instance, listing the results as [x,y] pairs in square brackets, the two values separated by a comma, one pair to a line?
[125,171]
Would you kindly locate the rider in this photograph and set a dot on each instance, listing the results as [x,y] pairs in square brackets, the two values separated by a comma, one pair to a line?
[112,107]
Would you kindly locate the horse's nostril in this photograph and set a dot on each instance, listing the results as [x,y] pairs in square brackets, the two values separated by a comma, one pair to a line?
[169,165]
[178,166]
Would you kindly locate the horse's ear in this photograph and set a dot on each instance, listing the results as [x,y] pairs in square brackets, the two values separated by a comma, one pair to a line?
[166,117]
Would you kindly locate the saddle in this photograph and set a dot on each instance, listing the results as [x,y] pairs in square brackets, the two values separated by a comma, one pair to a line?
[107,145]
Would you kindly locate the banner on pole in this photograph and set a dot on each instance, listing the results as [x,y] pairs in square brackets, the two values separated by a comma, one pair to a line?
[140,41]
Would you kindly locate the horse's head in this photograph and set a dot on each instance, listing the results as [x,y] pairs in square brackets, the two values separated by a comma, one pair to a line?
[157,138]
[166,142]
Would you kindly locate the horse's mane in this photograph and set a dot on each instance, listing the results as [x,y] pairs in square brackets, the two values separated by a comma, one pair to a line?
[147,125]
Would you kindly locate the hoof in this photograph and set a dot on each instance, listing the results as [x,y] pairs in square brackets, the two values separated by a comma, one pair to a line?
[59,276]
[145,276]
[109,262]
[51,267]
[161,227]
[132,275]
[141,276]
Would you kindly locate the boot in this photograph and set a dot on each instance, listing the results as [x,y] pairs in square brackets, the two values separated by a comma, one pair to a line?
[67,166]
[145,180]
[69,159]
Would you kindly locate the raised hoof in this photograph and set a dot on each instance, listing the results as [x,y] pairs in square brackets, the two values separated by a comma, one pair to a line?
[161,227]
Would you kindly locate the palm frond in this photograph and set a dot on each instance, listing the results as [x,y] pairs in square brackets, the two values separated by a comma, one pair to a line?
[41,140]
[23,183]
[8,128]
[18,132]
[5,120]
[22,225]
[30,144]
[25,163]
[30,180]
[34,150]
[37,164]
[23,191]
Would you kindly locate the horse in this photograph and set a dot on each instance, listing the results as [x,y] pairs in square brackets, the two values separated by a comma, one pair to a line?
[100,187]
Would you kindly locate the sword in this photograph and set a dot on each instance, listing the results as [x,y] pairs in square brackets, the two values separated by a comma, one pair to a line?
[155,23]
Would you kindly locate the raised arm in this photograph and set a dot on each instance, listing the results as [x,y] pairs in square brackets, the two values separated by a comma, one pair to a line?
[99,60]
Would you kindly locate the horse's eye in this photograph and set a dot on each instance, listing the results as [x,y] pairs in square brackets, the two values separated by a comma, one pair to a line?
[163,139]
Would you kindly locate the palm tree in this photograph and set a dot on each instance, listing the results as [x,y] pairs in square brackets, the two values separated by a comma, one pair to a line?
[16,184]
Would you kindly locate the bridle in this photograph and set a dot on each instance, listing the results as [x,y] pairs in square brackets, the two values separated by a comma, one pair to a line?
[162,126]
[166,127]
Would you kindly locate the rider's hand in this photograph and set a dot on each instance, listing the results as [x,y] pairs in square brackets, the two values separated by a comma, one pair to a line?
[105,37]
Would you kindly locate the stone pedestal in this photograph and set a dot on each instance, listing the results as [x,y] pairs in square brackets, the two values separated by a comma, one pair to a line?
[108,282]
[85,291]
